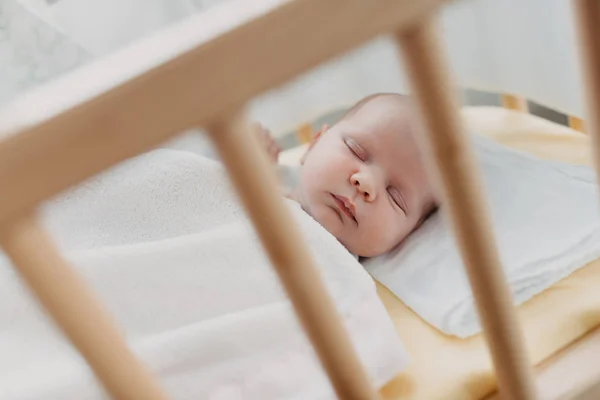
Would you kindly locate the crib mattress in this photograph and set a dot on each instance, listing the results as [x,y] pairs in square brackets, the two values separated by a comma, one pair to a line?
[448,368]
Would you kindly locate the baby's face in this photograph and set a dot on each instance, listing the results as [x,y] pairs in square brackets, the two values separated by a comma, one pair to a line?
[364,179]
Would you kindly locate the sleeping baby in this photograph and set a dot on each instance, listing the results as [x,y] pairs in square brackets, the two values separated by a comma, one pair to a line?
[364,179]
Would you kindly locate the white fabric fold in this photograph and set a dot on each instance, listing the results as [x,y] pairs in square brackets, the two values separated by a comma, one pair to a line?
[165,245]
[546,223]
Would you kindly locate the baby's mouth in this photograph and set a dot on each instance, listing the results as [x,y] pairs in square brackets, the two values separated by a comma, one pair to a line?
[345,206]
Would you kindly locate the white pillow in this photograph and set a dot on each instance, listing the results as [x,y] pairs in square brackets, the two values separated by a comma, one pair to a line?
[546,221]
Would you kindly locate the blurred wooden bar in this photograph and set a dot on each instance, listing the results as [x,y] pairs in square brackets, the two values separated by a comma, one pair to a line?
[256,184]
[587,23]
[449,151]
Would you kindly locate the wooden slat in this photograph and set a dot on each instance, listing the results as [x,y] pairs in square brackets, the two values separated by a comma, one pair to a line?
[449,151]
[65,296]
[206,75]
[514,103]
[570,371]
[587,20]
[256,183]
[587,23]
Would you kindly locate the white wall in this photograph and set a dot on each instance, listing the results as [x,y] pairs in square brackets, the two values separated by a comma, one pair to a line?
[515,46]
[509,46]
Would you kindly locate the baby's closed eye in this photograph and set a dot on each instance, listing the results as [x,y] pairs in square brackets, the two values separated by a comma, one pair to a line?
[355,149]
[397,198]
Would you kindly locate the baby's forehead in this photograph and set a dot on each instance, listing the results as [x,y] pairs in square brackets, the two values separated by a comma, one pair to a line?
[388,133]
[388,127]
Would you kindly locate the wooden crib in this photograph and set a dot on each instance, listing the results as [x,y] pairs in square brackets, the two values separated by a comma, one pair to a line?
[201,76]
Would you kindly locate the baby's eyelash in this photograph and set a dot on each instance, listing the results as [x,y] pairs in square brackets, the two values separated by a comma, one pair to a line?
[397,198]
[355,149]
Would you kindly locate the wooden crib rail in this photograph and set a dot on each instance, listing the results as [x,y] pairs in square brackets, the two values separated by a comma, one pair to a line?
[587,24]
[587,20]
[256,184]
[112,118]
[450,155]
[200,73]
[133,100]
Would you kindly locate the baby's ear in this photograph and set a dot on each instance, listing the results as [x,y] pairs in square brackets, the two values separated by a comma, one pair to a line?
[314,140]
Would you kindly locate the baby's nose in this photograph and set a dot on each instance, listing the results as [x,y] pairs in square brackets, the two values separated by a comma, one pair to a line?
[364,185]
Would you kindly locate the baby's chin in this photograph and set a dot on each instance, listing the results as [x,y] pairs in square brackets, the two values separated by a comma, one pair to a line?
[367,249]
[361,250]
[357,246]
[347,238]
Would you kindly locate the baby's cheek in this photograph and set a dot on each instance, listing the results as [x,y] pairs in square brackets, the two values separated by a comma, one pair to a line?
[388,232]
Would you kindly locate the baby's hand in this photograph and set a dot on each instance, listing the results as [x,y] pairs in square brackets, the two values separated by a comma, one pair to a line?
[266,139]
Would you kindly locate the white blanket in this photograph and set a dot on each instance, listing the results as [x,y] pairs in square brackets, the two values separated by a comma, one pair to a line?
[166,246]
[546,222]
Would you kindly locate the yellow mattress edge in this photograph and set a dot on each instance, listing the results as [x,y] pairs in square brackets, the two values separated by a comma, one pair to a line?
[450,368]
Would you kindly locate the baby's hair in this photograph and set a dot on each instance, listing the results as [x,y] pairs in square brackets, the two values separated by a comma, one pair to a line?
[402,99]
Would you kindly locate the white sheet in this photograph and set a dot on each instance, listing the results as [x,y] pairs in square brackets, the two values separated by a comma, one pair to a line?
[167,248]
[547,224]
